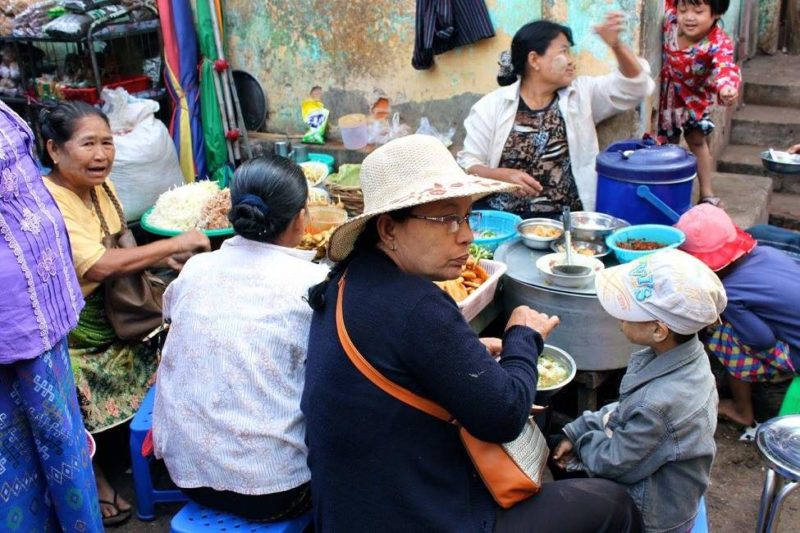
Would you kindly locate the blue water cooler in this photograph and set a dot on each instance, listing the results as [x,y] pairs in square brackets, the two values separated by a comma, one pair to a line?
[644,183]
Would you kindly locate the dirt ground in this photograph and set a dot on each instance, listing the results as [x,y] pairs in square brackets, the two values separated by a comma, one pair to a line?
[732,498]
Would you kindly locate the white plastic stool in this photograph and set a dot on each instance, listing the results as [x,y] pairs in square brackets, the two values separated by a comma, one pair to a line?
[778,441]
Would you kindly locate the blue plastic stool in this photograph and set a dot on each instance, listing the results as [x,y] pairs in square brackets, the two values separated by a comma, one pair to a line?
[146,496]
[701,520]
[195,518]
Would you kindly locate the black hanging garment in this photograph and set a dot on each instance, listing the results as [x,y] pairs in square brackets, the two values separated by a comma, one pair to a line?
[442,25]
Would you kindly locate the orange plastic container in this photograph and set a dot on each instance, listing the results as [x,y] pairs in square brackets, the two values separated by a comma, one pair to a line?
[323,217]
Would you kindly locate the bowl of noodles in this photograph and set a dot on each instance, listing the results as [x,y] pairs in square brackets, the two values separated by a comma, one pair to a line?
[556,369]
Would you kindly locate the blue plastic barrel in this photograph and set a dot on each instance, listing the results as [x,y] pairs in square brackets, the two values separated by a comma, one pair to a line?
[666,171]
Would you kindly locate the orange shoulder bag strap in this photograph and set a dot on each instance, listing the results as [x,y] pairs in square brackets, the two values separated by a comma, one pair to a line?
[372,374]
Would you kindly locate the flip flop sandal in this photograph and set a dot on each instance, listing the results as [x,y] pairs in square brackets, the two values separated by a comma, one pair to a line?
[119,518]
[749,434]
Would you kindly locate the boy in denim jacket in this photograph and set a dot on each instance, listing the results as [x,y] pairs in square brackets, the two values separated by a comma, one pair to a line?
[658,439]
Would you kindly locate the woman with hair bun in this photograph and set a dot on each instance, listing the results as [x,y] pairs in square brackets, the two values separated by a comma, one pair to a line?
[538,130]
[227,418]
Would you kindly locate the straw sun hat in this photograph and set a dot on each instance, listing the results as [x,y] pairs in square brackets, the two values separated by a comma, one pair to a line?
[409,171]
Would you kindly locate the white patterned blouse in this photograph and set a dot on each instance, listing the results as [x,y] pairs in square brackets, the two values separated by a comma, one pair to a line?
[227,409]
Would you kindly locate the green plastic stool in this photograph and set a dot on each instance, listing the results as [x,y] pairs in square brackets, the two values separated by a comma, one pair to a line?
[791,402]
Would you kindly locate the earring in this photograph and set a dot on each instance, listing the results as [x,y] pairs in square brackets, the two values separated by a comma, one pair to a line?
[394,246]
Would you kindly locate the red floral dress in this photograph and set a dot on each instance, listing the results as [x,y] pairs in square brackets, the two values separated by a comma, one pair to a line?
[692,77]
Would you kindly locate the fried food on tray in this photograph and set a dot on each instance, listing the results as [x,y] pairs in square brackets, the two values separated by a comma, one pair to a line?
[472,276]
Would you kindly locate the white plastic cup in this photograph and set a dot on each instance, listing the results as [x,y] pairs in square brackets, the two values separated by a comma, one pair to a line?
[355,133]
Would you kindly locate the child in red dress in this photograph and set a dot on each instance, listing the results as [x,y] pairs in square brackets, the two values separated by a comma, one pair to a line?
[698,69]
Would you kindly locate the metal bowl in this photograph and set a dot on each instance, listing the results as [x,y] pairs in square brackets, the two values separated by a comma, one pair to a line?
[598,249]
[776,166]
[544,263]
[593,226]
[534,242]
[559,355]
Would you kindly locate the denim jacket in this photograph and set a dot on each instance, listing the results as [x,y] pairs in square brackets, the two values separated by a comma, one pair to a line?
[658,439]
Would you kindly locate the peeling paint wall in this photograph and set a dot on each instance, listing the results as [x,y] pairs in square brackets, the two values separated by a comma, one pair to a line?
[356,48]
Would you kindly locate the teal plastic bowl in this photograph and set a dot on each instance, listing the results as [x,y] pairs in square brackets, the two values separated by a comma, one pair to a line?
[502,226]
[667,235]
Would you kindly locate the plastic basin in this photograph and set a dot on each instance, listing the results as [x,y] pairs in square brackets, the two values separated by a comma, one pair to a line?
[667,235]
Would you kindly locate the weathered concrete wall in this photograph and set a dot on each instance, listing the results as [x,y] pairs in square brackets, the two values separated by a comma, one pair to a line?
[357,48]
[353,48]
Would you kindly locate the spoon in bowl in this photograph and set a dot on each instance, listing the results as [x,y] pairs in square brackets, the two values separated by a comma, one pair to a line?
[569,269]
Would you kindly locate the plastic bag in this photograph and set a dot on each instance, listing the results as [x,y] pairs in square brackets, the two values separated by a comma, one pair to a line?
[146,162]
[82,6]
[382,131]
[70,26]
[425,128]
[315,117]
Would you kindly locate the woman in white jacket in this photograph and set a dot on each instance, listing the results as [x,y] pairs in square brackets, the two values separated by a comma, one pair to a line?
[538,130]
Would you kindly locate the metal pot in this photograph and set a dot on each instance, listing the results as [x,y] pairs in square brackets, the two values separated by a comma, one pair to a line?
[589,334]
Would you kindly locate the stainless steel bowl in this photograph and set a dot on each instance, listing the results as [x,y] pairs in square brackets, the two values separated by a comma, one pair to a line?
[539,243]
[543,264]
[563,358]
[593,226]
[776,166]
[599,249]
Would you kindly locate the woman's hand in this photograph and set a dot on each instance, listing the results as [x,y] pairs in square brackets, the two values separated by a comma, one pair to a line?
[794,149]
[176,262]
[530,187]
[493,344]
[563,453]
[192,241]
[610,29]
[727,95]
[539,322]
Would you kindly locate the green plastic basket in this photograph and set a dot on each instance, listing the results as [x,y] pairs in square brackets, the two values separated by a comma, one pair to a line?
[223,232]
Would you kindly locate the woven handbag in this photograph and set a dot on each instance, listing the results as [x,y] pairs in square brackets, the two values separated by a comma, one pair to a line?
[512,471]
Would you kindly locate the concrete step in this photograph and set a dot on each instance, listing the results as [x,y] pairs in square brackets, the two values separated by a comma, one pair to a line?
[767,126]
[784,210]
[746,197]
[746,159]
[772,81]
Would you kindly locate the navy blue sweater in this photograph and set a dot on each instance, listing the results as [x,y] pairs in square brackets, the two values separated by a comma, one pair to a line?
[764,300]
[378,464]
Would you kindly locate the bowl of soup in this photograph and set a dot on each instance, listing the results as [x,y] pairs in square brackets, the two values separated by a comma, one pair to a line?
[556,369]
[539,233]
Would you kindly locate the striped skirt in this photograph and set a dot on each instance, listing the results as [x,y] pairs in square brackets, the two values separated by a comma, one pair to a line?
[46,478]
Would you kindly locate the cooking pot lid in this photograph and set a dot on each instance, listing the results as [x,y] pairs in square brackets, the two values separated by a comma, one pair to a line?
[639,161]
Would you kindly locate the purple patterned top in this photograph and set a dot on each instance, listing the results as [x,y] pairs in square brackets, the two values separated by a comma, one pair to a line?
[40,298]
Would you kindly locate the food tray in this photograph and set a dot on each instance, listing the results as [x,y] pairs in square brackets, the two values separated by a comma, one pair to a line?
[476,302]
[222,232]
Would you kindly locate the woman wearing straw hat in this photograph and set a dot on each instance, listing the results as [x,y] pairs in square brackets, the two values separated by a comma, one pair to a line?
[377,463]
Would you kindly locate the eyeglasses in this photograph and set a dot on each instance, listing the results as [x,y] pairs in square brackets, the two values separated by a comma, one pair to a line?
[453,221]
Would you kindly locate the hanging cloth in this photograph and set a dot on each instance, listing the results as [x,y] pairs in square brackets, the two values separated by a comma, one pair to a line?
[442,25]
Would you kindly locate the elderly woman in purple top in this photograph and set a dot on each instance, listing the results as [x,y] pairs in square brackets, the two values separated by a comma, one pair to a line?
[44,457]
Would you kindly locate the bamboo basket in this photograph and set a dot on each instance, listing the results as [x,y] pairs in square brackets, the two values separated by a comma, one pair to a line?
[351,197]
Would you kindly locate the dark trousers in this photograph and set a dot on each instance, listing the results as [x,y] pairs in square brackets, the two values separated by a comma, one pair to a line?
[573,506]
[263,507]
